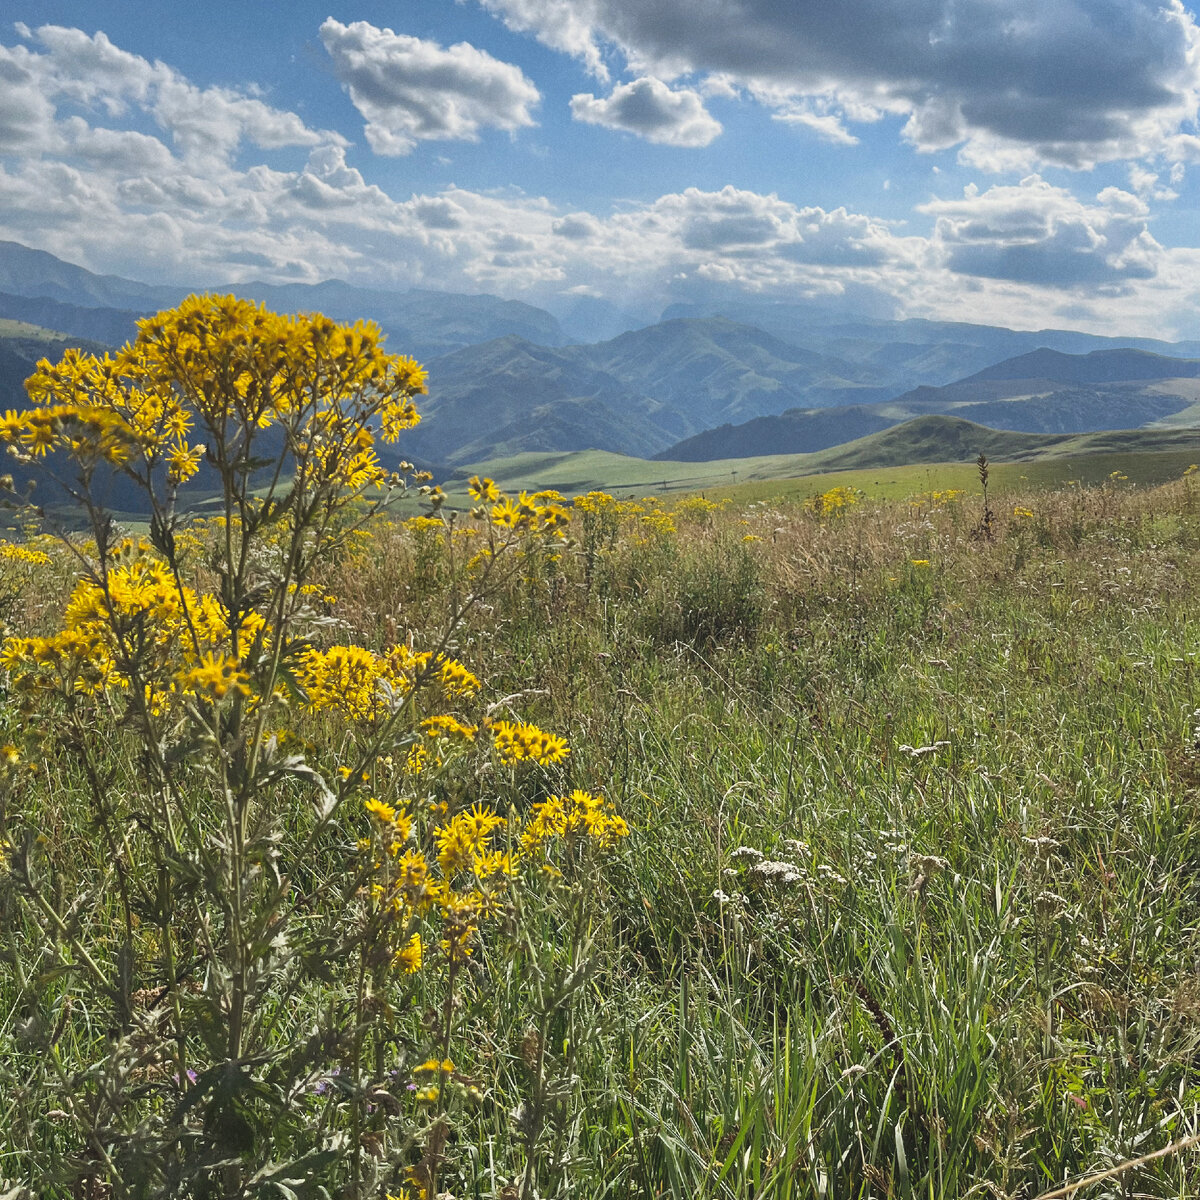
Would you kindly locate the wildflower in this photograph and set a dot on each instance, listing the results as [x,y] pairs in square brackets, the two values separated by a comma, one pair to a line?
[495,862]
[444,1065]
[377,808]
[408,958]
[747,854]
[919,562]
[217,674]
[456,848]
[520,742]
[448,727]
[23,554]
[775,871]
[578,815]
[478,824]
[835,501]
[397,818]
[414,883]
[483,490]
[456,680]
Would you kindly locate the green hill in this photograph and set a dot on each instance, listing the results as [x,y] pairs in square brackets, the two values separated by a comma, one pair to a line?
[886,463]
[1041,392]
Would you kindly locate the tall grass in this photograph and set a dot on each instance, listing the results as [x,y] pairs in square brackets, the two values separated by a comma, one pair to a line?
[907,908]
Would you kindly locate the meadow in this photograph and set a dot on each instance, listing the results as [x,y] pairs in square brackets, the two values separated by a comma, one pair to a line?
[807,844]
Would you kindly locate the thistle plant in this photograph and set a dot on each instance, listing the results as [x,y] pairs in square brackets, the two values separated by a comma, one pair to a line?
[288,871]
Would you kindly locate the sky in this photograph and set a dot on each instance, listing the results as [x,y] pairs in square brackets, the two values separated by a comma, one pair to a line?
[1029,163]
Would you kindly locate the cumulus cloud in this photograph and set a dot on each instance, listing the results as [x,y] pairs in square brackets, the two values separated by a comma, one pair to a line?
[1036,233]
[411,90]
[85,179]
[561,24]
[1145,183]
[652,110]
[1068,82]
[205,125]
[26,113]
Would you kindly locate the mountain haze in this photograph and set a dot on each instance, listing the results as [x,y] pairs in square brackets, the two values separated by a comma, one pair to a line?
[418,322]
[748,378]
[1103,390]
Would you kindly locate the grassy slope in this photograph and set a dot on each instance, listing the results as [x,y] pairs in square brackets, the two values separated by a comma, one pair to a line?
[23,329]
[882,464]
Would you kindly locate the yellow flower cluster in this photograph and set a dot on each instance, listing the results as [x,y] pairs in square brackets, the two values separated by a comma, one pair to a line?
[518,741]
[539,513]
[24,554]
[446,726]
[184,641]
[581,815]
[698,509]
[483,491]
[407,888]
[601,504]
[834,501]
[461,880]
[237,368]
[937,499]
[363,686]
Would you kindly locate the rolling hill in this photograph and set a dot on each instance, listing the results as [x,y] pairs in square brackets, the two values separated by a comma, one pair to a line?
[1044,391]
[930,451]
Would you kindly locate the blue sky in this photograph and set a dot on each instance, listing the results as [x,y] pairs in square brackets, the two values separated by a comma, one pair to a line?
[1029,163]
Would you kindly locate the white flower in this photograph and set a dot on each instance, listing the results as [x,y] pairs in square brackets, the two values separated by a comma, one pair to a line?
[747,854]
[772,871]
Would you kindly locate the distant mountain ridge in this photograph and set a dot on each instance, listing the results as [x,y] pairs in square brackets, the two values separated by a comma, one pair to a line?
[1103,390]
[749,377]
[418,322]
[635,394]
[1097,366]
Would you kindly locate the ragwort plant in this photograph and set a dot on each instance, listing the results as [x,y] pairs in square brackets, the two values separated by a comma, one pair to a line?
[247,971]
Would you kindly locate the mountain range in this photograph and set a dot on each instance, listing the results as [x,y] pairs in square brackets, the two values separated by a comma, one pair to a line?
[739,379]
[1044,391]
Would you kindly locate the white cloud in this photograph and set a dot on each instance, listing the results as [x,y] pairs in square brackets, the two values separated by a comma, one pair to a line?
[1067,82]
[565,25]
[410,90]
[652,110]
[26,113]
[206,125]
[1039,234]
[827,126]
[1145,183]
[96,188]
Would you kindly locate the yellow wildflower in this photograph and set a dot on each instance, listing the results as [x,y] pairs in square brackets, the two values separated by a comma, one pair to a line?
[408,958]
[520,742]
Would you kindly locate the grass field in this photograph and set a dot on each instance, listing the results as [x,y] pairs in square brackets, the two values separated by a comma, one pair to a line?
[777,845]
[892,465]
[906,907]
[798,475]
[23,329]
